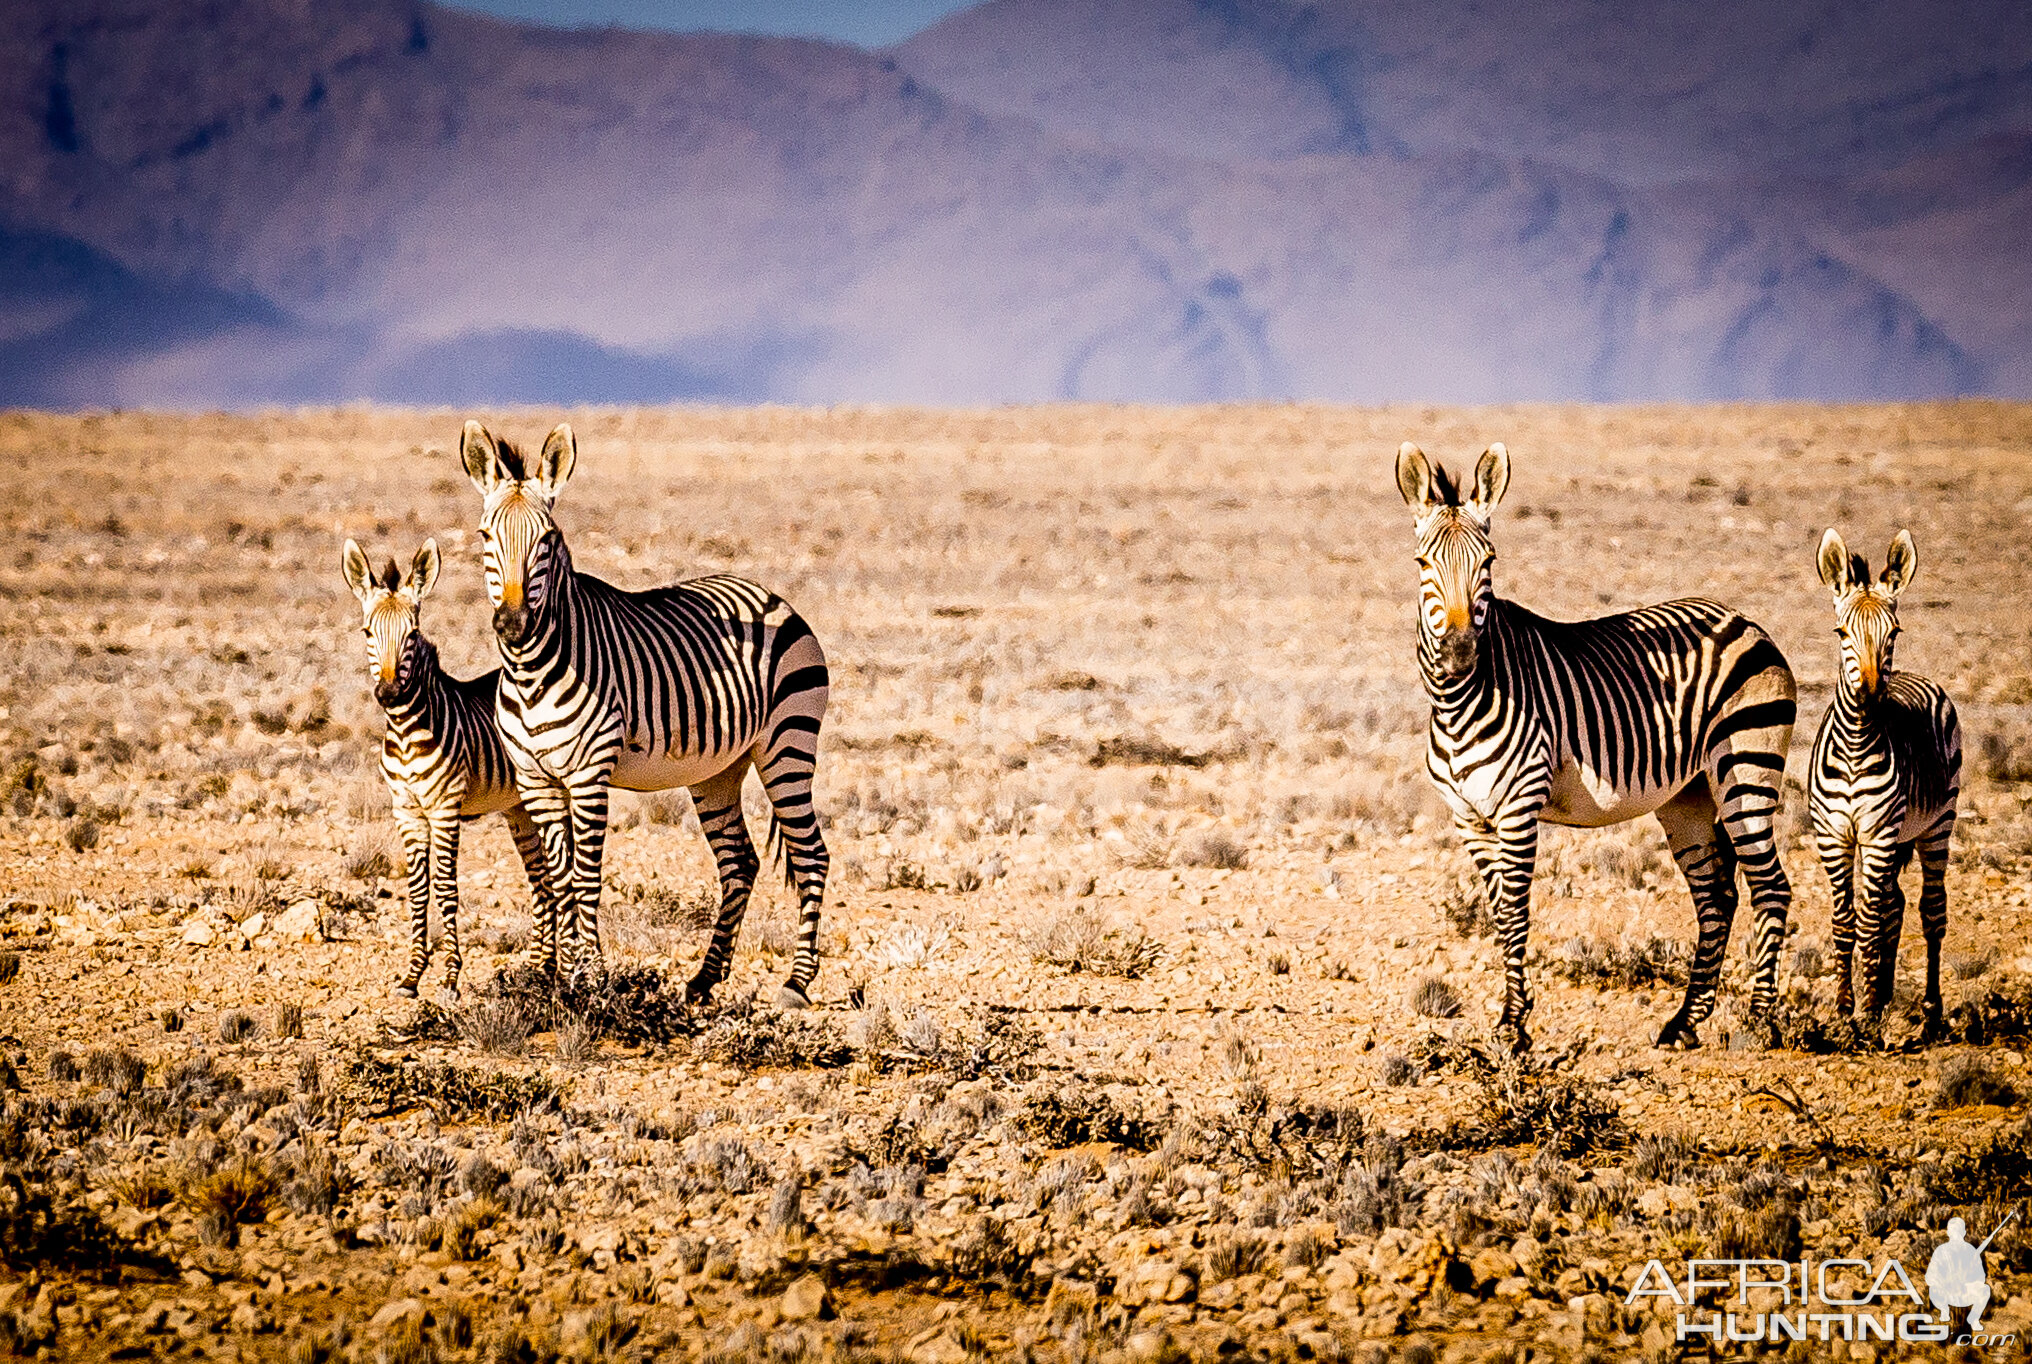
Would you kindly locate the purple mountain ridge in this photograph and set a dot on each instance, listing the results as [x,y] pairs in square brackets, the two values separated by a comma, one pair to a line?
[241,202]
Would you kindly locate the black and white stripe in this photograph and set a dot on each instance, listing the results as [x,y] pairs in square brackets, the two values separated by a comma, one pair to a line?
[1684,710]
[442,757]
[688,685]
[1886,777]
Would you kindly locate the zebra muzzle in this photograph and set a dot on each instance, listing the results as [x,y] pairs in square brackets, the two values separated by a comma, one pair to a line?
[1457,653]
[511,623]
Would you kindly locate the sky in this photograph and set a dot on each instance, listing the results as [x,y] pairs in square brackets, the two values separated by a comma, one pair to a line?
[869,23]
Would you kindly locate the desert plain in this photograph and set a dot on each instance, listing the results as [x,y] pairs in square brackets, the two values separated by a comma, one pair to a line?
[1153,1021]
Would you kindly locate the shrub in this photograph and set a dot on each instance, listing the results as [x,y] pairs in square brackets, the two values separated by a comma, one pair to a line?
[1434,998]
[1075,1112]
[83,835]
[1967,1080]
[235,1026]
[1466,911]
[289,1021]
[379,1087]
[120,1070]
[10,967]
[1233,1256]
[1619,966]
[754,1039]
[1399,1069]
[63,1067]
[1214,847]
[1079,941]
[498,1027]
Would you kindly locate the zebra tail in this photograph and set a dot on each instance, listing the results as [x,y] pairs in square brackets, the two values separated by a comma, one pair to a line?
[776,848]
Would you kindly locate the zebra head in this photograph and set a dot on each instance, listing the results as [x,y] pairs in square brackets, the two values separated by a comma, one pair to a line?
[1456,581]
[518,539]
[389,605]
[1865,612]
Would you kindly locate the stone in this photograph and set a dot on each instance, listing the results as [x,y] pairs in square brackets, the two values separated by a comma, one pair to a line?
[299,923]
[198,933]
[1491,1266]
[805,1300]
[253,926]
[401,1309]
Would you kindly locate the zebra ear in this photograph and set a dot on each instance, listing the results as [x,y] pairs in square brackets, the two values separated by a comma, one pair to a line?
[423,572]
[1492,478]
[1414,477]
[1834,560]
[482,459]
[554,465]
[1900,565]
[359,573]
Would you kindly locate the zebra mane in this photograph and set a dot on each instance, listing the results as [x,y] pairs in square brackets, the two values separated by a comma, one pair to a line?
[1859,569]
[391,576]
[511,460]
[1445,492]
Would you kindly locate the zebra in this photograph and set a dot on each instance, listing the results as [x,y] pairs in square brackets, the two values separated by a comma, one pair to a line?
[687,685]
[1683,710]
[1885,779]
[443,757]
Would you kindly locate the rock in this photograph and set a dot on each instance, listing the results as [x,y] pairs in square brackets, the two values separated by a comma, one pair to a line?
[248,1318]
[1491,1266]
[1666,1198]
[299,923]
[198,933]
[1527,1252]
[1513,1288]
[253,926]
[399,1310]
[806,1300]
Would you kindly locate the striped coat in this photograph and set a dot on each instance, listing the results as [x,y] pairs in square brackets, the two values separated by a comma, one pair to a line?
[690,685]
[1682,710]
[442,755]
[1885,782]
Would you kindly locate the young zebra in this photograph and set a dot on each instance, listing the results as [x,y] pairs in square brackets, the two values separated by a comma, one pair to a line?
[1684,710]
[443,758]
[688,685]
[1886,776]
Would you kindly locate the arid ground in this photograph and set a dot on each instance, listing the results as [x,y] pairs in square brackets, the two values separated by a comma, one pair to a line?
[1154,1002]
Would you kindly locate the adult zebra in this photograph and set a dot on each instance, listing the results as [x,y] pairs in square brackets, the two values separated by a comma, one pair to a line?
[1684,710]
[1886,778]
[688,685]
[442,757]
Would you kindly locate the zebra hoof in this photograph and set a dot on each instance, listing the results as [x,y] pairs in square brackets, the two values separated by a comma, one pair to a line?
[1513,1038]
[698,991]
[406,990]
[790,997]
[1679,1035]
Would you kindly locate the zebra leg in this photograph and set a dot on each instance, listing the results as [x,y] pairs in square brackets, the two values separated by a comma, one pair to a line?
[1707,860]
[444,887]
[549,812]
[1933,848]
[588,791]
[1883,914]
[542,951]
[415,831]
[1505,851]
[1838,860]
[718,802]
[786,780]
[1749,822]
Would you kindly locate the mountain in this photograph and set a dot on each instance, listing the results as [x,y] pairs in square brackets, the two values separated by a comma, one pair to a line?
[1168,200]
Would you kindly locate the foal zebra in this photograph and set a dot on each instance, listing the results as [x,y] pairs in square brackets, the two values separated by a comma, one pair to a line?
[443,758]
[687,685]
[1684,710]
[1886,776]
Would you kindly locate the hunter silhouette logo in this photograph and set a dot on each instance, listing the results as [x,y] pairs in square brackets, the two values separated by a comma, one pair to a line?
[1955,1276]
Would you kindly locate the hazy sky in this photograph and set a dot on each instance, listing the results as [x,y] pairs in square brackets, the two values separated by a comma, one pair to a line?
[871,23]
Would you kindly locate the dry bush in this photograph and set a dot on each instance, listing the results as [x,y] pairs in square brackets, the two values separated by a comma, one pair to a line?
[1967,1079]
[1213,847]
[1080,940]
[1434,998]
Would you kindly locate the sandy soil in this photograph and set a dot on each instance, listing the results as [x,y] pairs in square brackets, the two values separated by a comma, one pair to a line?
[1138,894]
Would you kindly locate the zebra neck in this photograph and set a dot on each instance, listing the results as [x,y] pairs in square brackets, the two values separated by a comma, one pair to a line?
[425,699]
[537,656]
[1858,722]
[1462,695]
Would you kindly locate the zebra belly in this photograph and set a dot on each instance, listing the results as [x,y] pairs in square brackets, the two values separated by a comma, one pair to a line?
[663,771]
[1585,799]
[478,804]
